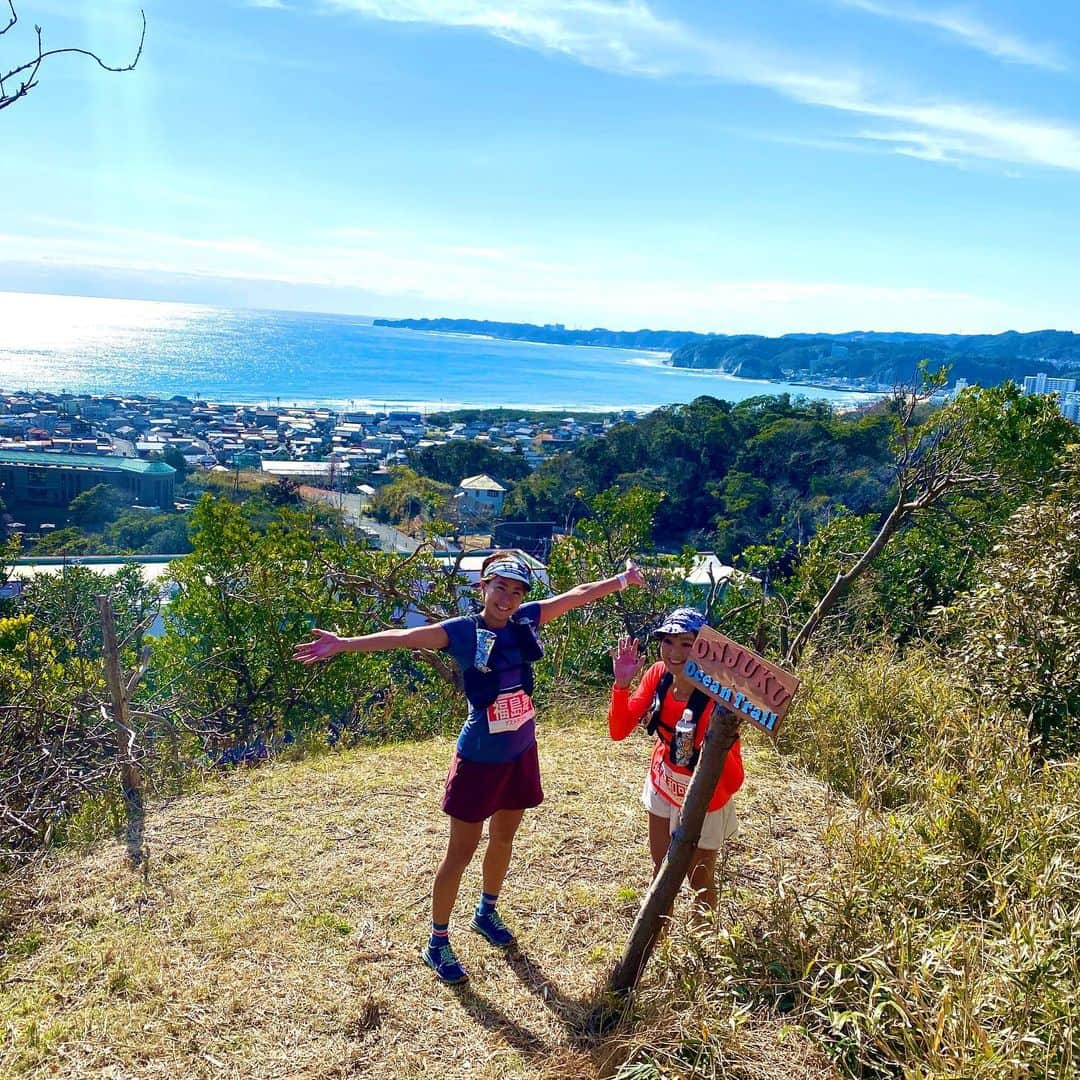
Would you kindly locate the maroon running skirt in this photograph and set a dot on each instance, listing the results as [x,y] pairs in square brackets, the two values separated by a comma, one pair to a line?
[477,789]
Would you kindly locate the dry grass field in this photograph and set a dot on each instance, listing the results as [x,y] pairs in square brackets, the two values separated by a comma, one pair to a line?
[276,932]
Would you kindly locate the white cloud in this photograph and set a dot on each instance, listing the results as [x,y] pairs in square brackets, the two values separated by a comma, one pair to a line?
[627,38]
[968,29]
[609,34]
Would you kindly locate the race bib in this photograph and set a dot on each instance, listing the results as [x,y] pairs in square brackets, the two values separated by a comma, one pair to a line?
[509,711]
[672,785]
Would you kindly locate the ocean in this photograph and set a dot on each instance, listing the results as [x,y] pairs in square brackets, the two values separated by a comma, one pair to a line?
[89,345]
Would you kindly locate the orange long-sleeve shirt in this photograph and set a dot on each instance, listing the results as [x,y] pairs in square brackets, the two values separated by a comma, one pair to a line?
[670,780]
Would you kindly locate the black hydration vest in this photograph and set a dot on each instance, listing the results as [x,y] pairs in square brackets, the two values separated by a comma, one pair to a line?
[697,704]
[482,687]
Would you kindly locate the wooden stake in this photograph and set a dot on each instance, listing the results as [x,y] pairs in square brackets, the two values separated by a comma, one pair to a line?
[131,780]
[721,736]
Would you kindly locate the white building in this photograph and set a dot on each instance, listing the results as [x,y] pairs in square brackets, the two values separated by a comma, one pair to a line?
[1044,384]
[1065,389]
[480,495]
[320,473]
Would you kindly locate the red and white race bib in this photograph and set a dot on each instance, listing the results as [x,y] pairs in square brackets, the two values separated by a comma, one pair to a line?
[671,784]
[509,711]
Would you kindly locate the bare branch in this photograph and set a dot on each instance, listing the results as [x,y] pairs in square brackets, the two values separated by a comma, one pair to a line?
[30,69]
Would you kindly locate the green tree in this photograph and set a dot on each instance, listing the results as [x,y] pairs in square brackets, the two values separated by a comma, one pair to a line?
[171,456]
[97,506]
[70,541]
[138,532]
[248,594]
[63,604]
[57,747]
[550,492]
[618,527]
[996,444]
[409,496]
[452,462]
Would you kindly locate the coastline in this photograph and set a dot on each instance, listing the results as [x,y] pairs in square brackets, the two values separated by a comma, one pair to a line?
[159,350]
[662,355]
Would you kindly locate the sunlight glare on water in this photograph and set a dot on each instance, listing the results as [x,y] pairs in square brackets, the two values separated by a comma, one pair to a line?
[34,322]
[85,345]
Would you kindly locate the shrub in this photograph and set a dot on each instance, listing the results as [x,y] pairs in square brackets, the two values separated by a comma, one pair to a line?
[1017,633]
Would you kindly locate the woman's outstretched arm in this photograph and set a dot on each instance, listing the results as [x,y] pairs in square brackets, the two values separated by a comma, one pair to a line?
[581,595]
[326,644]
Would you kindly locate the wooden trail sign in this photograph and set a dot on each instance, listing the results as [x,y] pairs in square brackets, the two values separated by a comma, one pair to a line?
[739,679]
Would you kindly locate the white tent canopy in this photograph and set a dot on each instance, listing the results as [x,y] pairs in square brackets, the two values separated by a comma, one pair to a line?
[709,569]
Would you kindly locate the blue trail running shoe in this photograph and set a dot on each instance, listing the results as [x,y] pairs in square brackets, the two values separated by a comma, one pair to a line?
[445,964]
[489,925]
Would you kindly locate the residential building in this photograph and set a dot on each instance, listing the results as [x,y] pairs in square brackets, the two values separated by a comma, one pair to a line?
[481,495]
[1044,384]
[1065,389]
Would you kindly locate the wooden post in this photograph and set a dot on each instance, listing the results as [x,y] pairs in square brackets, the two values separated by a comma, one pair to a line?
[721,736]
[131,780]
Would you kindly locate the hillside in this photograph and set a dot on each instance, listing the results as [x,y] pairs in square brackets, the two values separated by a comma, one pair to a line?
[276,932]
[885,359]
[873,357]
[551,333]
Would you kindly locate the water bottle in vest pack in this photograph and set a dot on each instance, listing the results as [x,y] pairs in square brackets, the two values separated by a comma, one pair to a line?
[682,746]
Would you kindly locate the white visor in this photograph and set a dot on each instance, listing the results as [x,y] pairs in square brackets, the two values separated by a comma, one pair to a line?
[509,567]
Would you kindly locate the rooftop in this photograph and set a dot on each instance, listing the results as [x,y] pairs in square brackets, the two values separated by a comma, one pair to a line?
[482,482]
[97,462]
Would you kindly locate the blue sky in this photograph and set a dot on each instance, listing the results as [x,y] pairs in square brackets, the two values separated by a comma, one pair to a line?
[761,167]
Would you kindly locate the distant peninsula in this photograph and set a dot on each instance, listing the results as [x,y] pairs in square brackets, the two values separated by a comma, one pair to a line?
[865,358]
[554,333]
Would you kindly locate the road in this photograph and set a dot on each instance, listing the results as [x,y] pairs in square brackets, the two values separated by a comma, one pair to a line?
[353,507]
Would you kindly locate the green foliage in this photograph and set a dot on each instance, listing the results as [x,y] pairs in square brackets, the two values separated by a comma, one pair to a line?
[65,605]
[864,722]
[741,474]
[97,506]
[619,527]
[549,493]
[961,471]
[451,462]
[69,541]
[171,456]
[409,496]
[141,532]
[248,595]
[941,940]
[883,358]
[1017,632]
[57,747]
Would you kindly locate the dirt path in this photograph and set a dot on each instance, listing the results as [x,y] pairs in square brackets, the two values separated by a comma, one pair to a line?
[277,931]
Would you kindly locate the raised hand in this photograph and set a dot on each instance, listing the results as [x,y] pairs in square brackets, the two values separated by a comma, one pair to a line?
[626,661]
[634,576]
[324,646]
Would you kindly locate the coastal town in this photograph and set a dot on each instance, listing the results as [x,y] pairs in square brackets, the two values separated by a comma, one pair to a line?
[54,446]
